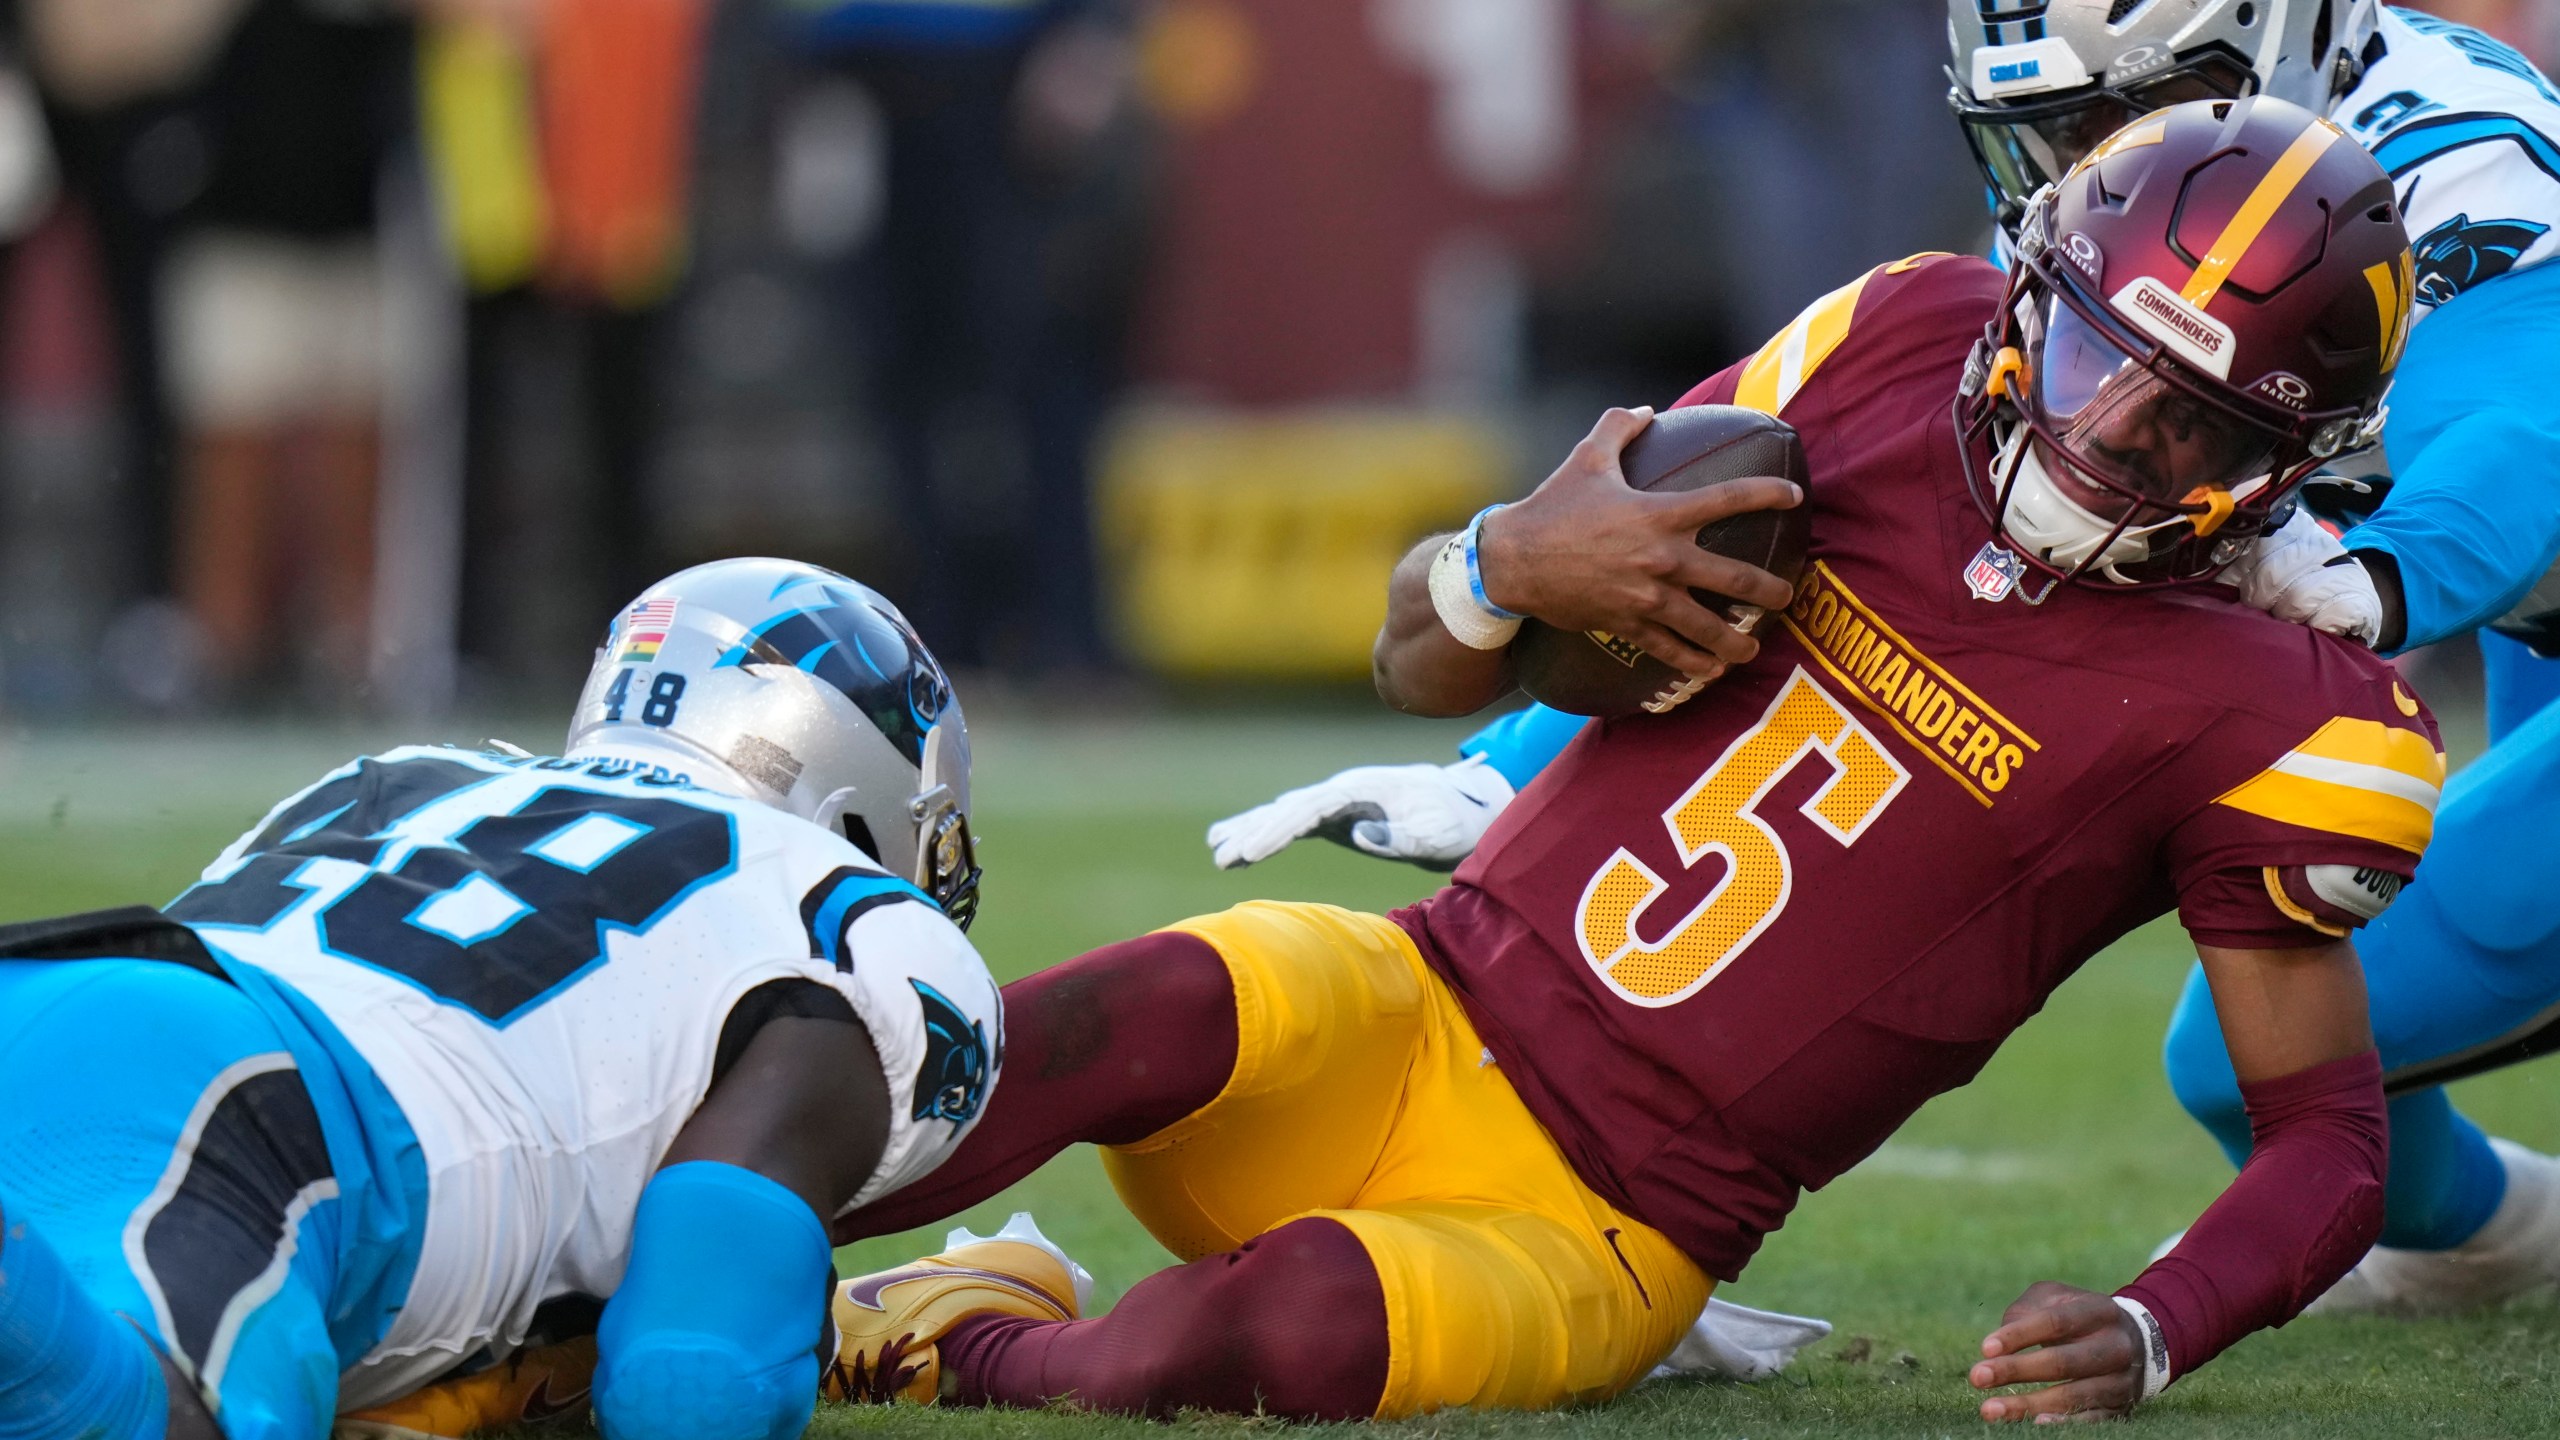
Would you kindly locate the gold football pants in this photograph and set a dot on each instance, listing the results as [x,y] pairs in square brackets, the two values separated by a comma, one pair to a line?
[1362,1095]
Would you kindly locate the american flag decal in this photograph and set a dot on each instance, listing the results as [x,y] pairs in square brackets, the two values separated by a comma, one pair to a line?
[644,628]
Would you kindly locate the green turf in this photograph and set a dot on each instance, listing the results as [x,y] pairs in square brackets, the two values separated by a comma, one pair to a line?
[2066,1160]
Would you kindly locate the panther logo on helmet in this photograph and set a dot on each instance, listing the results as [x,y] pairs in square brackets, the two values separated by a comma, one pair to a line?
[868,654]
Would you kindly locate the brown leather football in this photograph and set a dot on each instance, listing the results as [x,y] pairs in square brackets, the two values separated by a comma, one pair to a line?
[1596,673]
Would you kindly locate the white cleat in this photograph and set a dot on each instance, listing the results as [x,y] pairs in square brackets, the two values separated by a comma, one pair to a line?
[2516,1252]
[1736,1342]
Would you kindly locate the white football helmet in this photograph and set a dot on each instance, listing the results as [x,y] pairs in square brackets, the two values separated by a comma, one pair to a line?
[791,685]
[2038,83]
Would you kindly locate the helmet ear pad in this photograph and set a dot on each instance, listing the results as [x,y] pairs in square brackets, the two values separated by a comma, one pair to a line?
[889,819]
[841,811]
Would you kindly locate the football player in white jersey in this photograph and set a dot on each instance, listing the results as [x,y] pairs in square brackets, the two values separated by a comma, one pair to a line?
[457,1049]
[2464,971]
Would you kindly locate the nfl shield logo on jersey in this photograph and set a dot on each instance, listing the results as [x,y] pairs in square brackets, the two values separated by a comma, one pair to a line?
[1994,572]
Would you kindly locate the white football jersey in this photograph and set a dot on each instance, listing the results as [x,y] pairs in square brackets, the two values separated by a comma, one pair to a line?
[2470,134]
[537,956]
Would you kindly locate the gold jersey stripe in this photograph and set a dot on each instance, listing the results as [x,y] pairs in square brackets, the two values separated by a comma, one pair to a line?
[2380,779]
[2251,219]
[2295,913]
[1792,355]
[2352,777]
[2371,742]
[2339,809]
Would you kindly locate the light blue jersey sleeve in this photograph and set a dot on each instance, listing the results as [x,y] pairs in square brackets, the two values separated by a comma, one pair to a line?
[2473,517]
[1524,742]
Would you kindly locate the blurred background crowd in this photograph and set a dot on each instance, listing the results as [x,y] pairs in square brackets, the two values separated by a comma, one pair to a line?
[362,355]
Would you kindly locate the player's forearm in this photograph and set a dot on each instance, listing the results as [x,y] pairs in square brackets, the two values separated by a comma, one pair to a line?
[805,1105]
[1524,742]
[1419,666]
[2472,523]
[2473,519]
[2300,1214]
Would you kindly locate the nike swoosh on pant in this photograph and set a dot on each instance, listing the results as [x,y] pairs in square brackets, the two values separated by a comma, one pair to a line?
[543,1405]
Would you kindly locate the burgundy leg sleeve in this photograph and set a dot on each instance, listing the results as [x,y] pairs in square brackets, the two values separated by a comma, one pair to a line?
[1107,1048]
[2299,1215]
[1292,1323]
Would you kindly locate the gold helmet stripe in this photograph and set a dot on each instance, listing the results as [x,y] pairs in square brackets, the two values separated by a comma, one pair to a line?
[2408,307]
[2385,280]
[2254,213]
[2139,133]
[2395,293]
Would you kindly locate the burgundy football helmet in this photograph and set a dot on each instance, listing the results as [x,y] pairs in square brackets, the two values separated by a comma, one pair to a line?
[2202,311]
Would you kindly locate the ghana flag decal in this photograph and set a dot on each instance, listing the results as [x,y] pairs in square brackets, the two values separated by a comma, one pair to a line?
[644,629]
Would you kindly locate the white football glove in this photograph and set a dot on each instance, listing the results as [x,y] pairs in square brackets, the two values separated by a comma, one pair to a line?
[2301,573]
[1432,815]
[1736,1342]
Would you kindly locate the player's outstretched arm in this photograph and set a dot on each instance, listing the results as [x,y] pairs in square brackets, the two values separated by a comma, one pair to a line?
[1585,551]
[2304,1208]
[2473,518]
[714,1333]
[1429,815]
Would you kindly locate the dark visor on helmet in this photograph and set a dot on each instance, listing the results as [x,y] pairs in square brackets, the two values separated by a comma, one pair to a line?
[2121,421]
[2026,145]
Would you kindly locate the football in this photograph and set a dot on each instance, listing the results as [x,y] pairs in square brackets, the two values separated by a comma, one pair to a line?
[1596,673]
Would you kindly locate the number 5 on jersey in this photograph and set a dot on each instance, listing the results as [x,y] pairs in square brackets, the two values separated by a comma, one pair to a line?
[1718,817]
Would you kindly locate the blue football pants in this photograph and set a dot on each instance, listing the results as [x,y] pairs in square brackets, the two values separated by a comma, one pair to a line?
[2467,955]
[156,1137]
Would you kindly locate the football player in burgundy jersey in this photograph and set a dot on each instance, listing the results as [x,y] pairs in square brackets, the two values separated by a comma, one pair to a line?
[1496,1149]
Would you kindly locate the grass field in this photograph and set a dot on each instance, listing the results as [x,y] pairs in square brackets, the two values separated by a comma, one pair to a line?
[2066,1160]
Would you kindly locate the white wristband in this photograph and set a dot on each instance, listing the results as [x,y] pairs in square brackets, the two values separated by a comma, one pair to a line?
[1453,598]
[2155,1346]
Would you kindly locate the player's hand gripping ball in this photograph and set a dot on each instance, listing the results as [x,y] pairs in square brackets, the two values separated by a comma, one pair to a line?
[1691,448]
